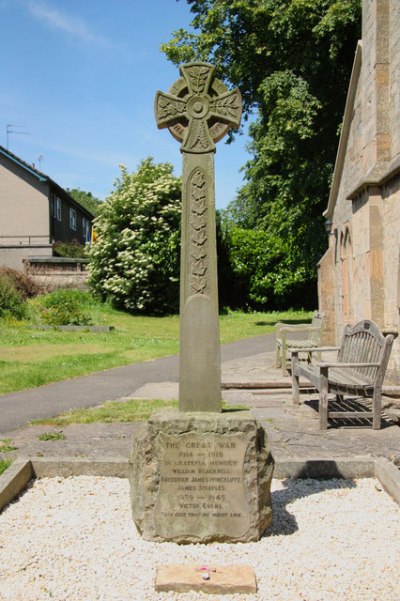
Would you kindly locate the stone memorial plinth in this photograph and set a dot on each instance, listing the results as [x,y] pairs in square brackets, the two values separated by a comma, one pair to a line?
[201,477]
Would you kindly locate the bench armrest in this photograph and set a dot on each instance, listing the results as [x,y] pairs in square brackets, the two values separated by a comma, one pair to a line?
[344,365]
[301,327]
[314,349]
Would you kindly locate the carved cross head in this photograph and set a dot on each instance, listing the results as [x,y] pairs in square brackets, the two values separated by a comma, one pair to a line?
[198,108]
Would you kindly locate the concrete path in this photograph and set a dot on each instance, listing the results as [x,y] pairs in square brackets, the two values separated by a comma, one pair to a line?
[17,409]
[293,430]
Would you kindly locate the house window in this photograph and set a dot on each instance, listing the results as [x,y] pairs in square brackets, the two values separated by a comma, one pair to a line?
[57,208]
[72,219]
[86,230]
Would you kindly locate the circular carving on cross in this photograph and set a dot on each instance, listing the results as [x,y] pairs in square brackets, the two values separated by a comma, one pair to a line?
[198,109]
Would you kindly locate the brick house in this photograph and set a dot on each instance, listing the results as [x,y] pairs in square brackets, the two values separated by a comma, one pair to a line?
[359,275]
[35,212]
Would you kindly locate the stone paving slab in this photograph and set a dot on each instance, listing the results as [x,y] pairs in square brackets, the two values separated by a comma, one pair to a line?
[221,580]
[80,440]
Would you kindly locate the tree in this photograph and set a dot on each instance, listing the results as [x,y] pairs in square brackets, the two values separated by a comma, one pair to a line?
[135,259]
[86,200]
[291,60]
[262,274]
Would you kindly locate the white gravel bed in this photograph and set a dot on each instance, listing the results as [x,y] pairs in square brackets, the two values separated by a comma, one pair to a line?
[74,539]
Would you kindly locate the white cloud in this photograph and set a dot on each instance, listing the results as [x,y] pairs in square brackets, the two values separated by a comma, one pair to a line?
[69,24]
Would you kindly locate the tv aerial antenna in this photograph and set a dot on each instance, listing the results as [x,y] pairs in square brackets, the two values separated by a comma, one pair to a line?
[14,129]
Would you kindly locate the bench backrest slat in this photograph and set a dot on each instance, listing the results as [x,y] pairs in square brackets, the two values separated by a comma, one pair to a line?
[314,336]
[363,343]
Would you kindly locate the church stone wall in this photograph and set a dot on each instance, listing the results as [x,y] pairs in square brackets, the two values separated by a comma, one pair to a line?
[367,108]
[326,296]
[363,259]
[395,76]
[391,281]
[391,250]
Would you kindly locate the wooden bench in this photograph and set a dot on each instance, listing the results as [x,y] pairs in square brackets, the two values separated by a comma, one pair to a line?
[359,370]
[307,335]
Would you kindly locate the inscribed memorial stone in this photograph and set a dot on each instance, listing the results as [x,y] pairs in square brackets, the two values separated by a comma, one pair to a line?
[201,478]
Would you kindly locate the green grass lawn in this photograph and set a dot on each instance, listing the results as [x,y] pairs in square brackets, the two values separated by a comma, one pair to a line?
[4,464]
[6,446]
[109,412]
[30,358]
[113,412]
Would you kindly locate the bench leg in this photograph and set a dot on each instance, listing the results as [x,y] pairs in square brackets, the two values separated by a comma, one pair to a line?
[295,380]
[278,355]
[376,409]
[323,400]
[284,359]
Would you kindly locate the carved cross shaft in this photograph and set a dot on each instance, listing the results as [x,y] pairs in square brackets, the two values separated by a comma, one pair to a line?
[198,110]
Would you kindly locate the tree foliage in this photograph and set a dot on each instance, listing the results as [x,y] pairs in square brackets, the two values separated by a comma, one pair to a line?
[261,272]
[135,260]
[291,60]
[86,200]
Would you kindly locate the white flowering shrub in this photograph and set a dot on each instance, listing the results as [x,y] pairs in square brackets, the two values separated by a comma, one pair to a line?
[135,259]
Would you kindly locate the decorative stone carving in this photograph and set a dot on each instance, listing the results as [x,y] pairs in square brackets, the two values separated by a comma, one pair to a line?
[199,281]
[198,110]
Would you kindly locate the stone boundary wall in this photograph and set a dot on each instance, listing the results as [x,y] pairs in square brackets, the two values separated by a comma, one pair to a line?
[58,272]
[16,478]
[13,256]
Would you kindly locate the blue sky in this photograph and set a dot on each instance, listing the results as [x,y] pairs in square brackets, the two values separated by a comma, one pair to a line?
[81,76]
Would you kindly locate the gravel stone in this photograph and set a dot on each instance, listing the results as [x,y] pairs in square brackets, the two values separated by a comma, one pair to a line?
[74,539]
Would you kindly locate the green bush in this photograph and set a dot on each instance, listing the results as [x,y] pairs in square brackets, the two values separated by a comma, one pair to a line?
[135,260]
[24,284]
[11,301]
[72,250]
[64,307]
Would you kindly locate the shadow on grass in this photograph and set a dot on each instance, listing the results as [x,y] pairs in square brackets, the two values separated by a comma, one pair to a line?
[234,408]
[273,322]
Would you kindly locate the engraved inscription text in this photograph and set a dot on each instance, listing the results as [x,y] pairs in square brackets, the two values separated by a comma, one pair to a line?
[201,485]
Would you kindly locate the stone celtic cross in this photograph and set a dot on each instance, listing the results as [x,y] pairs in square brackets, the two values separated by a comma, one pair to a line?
[198,110]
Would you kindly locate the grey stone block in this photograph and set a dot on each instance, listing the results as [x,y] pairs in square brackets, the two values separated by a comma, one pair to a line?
[14,480]
[201,477]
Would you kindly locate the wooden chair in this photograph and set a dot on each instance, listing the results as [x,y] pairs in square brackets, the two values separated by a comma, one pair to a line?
[307,335]
[358,370]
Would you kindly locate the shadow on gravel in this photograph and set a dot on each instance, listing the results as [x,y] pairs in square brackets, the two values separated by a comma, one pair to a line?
[284,522]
